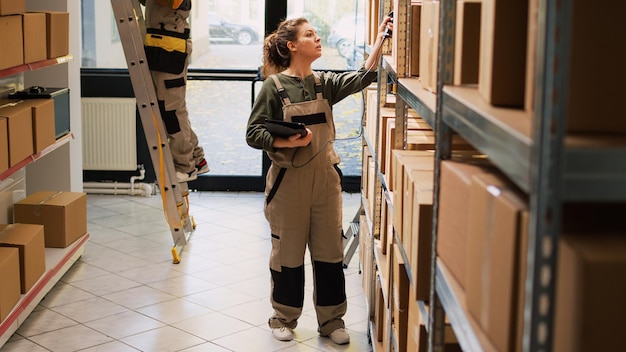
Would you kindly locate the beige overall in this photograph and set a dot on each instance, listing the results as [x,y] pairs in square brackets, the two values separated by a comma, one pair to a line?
[303,207]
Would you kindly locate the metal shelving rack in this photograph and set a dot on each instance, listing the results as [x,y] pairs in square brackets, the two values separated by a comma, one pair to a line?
[549,166]
[530,148]
[57,260]
[407,96]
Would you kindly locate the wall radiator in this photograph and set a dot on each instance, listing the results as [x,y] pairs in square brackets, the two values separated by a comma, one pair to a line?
[109,134]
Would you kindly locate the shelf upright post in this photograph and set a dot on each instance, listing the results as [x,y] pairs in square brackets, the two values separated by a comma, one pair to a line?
[443,151]
[130,24]
[551,95]
[400,41]
[383,90]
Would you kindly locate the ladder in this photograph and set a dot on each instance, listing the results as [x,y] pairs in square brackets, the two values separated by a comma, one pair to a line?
[174,195]
[351,238]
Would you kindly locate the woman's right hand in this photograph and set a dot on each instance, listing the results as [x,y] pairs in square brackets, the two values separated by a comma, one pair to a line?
[294,141]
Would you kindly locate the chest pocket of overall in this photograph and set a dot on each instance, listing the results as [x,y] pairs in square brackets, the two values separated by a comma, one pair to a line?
[166,51]
[317,116]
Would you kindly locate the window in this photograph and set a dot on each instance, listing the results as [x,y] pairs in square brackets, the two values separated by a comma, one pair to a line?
[228,37]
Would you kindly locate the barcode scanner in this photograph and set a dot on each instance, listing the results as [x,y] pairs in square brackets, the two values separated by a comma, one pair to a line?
[387,33]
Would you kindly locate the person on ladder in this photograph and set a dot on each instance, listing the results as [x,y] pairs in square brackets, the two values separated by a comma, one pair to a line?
[303,202]
[168,49]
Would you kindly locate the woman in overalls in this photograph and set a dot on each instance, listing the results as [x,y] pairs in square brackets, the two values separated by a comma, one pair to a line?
[303,199]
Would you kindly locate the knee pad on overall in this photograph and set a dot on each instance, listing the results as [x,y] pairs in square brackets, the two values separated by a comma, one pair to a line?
[289,286]
[330,283]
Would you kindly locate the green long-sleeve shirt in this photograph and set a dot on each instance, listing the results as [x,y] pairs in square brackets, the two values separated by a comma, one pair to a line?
[268,104]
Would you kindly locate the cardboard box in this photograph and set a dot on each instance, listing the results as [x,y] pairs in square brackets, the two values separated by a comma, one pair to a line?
[11,41]
[389,141]
[417,173]
[590,290]
[4,144]
[419,159]
[372,20]
[43,123]
[429,45]
[63,214]
[596,60]
[502,72]
[61,97]
[400,309]
[29,240]
[12,7]
[371,192]
[364,170]
[420,238]
[453,221]
[10,278]
[467,42]
[531,53]
[385,233]
[417,336]
[414,38]
[379,310]
[58,28]
[35,45]
[494,257]
[20,130]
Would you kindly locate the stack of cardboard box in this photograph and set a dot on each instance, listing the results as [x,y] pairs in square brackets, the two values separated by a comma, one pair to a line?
[28,127]
[41,220]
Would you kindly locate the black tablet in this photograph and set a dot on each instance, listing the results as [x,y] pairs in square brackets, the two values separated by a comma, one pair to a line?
[285,129]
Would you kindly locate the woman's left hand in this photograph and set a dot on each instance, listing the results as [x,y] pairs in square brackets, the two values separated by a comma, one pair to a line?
[387,24]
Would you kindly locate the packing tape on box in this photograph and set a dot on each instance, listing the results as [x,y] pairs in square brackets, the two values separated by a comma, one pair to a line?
[43,201]
[7,229]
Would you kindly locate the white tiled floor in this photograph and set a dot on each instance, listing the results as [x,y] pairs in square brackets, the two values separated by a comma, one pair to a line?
[125,294]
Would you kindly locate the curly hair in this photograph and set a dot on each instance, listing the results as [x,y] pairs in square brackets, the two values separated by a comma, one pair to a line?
[276,54]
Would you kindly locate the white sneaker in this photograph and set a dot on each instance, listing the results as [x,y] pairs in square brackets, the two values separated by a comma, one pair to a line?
[282,334]
[340,336]
[186,177]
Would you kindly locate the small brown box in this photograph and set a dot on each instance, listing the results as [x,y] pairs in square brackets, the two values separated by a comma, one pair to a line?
[467,42]
[29,239]
[494,253]
[596,60]
[58,28]
[10,278]
[400,291]
[12,7]
[11,41]
[20,130]
[379,310]
[452,231]
[63,214]
[35,46]
[420,234]
[414,39]
[502,72]
[590,291]
[429,45]
[43,122]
